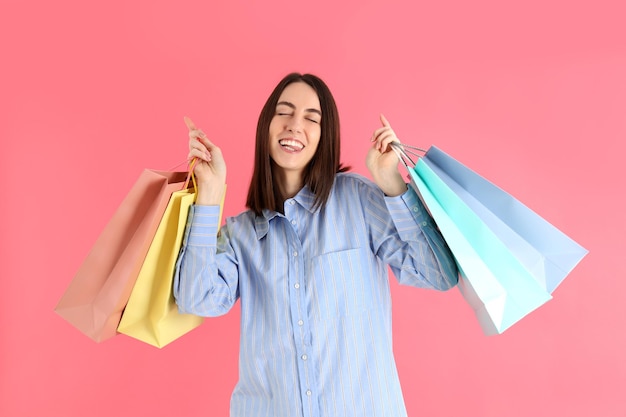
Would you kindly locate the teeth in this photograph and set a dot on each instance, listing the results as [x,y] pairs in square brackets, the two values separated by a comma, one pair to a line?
[291,143]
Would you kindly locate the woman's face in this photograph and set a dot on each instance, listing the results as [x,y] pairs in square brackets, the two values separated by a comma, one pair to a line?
[295,128]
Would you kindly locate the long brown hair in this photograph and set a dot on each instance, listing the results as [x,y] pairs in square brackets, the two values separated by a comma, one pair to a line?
[319,174]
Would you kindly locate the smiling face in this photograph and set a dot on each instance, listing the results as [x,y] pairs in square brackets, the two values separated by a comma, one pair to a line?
[295,130]
[297,144]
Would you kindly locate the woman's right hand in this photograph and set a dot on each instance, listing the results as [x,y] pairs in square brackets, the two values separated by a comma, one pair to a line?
[210,167]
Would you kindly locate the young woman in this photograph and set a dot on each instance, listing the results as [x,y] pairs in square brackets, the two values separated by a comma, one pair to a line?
[308,261]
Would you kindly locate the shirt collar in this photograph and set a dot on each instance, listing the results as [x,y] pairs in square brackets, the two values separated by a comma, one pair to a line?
[304,198]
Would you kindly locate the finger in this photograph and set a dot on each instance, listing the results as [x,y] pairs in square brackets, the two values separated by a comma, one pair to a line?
[383,144]
[386,144]
[198,153]
[384,120]
[196,142]
[378,132]
[384,138]
[210,146]
[196,133]
[190,124]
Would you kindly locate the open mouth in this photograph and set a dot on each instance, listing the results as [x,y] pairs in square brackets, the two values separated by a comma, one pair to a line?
[291,145]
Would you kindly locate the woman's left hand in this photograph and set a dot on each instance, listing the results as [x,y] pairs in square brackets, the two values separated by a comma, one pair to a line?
[382,161]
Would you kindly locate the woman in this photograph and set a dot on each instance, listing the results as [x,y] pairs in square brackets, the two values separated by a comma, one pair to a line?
[309,261]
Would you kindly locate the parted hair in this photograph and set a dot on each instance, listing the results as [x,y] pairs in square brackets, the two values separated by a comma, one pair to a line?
[319,175]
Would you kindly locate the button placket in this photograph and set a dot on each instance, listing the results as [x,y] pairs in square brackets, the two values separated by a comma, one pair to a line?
[297,303]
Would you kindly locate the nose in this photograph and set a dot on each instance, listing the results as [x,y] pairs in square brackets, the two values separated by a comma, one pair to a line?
[294,125]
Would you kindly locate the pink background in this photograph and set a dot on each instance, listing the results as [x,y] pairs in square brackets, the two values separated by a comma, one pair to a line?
[532,96]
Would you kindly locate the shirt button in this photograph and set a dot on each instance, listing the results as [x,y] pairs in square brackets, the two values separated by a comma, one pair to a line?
[300,322]
[293,222]
[295,253]
[415,209]
[291,202]
[424,224]
[304,357]
[296,285]
[308,392]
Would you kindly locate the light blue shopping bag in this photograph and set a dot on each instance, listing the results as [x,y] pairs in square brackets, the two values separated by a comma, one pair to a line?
[507,271]
[542,248]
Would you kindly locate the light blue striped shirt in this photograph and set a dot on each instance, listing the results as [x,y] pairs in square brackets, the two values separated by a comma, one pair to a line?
[315,296]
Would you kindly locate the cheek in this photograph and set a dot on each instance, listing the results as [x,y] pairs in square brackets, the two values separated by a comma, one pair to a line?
[273,127]
[313,145]
[315,136]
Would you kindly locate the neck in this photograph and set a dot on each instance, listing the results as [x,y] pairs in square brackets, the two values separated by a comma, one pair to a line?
[290,184]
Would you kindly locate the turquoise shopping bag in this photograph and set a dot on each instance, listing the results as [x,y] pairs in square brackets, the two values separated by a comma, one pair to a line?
[499,290]
[510,258]
[543,249]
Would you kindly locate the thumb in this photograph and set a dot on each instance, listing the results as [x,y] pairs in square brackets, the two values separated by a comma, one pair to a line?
[190,124]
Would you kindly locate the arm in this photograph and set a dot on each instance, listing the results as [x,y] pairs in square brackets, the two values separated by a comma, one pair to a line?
[411,243]
[382,162]
[414,226]
[206,277]
[205,284]
[404,236]
[210,167]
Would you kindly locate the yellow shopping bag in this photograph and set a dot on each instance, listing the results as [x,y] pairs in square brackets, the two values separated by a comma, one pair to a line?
[151,314]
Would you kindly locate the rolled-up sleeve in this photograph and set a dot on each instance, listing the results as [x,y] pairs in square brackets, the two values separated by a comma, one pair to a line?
[199,286]
[412,221]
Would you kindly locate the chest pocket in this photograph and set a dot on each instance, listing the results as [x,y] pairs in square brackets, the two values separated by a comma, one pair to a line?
[341,283]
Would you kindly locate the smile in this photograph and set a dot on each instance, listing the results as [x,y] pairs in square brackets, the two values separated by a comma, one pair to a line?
[291,145]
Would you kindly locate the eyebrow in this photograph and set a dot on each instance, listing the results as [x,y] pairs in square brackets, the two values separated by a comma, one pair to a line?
[291,105]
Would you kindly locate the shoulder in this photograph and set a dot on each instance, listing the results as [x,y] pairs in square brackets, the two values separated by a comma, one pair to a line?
[242,224]
[346,181]
[241,229]
[351,188]
[243,219]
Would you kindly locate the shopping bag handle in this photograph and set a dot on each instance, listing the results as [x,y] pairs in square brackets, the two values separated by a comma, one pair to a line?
[404,152]
[191,175]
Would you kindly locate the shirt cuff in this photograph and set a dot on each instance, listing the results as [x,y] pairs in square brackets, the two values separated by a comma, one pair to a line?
[408,213]
[202,226]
